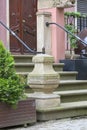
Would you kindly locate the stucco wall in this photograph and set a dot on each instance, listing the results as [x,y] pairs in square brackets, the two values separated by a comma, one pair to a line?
[58,35]
[3,19]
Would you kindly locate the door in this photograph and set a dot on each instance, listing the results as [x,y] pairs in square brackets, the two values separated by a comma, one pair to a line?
[23,23]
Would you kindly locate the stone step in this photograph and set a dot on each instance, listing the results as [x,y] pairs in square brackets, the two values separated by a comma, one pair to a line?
[23,58]
[24,67]
[28,67]
[73,95]
[58,66]
[65,85]
[65,110]
[63,75]
[68,75]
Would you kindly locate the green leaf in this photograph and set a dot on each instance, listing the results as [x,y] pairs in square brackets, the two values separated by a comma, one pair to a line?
[11,85]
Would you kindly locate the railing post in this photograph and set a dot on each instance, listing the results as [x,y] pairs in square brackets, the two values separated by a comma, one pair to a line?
[44,80]
[43,33]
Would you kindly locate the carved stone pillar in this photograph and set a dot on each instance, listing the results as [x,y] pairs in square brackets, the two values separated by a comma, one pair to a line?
[44,33]
[44,80]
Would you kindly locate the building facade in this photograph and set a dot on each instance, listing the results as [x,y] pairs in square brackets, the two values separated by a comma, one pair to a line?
[20,16]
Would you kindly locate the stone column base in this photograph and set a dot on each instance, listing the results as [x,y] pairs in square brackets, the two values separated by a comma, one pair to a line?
[44,100]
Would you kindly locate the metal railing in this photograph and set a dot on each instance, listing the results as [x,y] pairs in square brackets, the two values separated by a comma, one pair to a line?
[78,21]
[81,21]
[21,41]
[77,37]
[63,28]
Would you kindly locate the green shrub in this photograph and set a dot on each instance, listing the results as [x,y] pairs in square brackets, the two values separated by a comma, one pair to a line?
[73,40]
[11,85]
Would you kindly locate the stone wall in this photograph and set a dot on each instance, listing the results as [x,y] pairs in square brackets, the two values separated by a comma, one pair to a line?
[55,3]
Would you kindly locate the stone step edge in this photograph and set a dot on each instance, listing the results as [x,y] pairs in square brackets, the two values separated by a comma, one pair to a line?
[66,106]
[72,82]
[54,64]
[65,110]
[65,73]
[71,92]
[68,72]
[18,56]
[24,64]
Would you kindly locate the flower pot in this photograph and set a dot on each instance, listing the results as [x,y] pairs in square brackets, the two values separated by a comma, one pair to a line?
[24,113]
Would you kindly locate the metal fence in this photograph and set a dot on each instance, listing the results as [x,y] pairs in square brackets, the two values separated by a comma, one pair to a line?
[79,23]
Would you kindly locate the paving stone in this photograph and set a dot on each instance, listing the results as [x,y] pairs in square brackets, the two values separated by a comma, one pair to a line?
[63,124]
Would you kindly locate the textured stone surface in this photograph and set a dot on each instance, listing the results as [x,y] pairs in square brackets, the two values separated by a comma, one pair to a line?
[44,33]
[55,3]
[44,80]
[64,124]
[44,101]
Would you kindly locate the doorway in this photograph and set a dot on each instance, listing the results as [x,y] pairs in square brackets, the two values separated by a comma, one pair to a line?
[23,22]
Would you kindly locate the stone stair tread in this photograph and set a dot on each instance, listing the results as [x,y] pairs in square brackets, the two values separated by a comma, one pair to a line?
[72,81]
[55,64]
[65,110]
[64,72]
[66,106]
[23,64]
[71,92]
[23,55]
[74,105]
[23,73]
[58,64]
[68,72]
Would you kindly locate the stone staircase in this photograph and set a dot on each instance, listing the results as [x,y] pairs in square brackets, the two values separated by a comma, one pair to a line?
[73,93]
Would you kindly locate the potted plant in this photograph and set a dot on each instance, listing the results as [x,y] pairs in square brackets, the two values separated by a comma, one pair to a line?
[15,107]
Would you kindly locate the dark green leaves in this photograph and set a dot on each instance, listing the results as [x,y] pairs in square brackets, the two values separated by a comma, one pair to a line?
[11,87]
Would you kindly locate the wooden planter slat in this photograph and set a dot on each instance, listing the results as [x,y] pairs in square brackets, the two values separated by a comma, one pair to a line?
[25,113]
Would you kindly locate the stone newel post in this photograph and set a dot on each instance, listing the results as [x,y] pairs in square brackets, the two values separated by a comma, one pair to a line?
[43,33]
[44,80]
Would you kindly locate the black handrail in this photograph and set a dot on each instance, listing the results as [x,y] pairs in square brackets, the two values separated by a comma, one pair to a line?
[22,42]
[63,28]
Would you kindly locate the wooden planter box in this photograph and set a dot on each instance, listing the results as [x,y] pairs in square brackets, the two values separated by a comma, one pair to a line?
[25,113]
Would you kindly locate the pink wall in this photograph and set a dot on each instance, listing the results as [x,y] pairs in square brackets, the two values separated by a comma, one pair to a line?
[72,9]
[58,35]
[3,19]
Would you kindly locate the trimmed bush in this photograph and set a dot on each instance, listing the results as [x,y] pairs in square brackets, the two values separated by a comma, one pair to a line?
[11,85]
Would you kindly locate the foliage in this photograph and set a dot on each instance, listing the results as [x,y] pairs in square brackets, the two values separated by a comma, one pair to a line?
[74,14]
[73,40]
[11,86]
[70,27]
